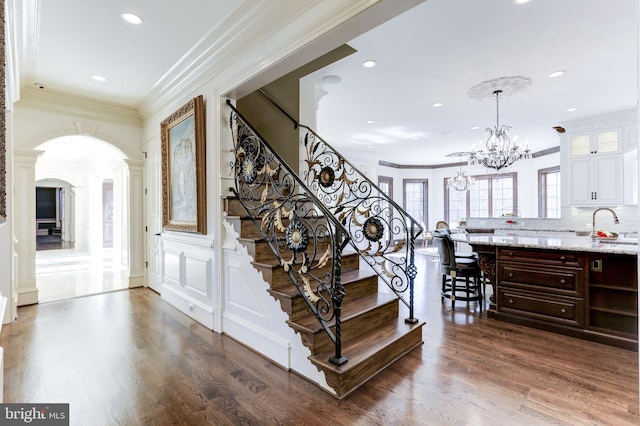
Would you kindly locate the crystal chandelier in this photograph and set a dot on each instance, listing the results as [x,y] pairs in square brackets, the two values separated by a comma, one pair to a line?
[500,151]
[460,182]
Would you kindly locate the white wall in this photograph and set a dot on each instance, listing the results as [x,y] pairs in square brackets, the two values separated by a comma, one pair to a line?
[527,192]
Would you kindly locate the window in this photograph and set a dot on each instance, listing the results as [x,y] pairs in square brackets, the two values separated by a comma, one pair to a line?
[415,199]
[386,186]
[490,196]
[549,192]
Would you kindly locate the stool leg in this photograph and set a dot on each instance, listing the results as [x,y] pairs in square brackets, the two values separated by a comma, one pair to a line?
[453,293]
[480,284]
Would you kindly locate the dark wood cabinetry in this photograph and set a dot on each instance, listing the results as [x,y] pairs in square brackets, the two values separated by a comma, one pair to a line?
[613,296]
[586,295]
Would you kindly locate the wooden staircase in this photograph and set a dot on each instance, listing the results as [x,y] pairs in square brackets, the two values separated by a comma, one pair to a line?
[374,335]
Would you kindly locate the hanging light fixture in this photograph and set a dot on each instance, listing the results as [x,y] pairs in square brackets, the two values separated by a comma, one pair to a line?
[460,182]
[500,150]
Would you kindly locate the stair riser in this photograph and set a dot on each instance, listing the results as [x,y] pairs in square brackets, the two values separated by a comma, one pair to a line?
[234,207]
[297,307]
[279,279]
[261,251]
[352,327]
[352,379]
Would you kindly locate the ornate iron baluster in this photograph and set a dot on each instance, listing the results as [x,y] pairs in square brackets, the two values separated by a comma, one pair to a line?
[301,232]
[382,232]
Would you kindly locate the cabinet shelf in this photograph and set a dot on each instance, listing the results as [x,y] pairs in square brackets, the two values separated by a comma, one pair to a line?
[614,287]
[614,311]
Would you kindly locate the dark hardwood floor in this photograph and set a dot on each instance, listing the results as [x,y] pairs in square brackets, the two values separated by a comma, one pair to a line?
[129,358]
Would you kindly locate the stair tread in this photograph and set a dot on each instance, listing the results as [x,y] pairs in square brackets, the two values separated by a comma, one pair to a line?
[361,349]
[272,263]
[354,308]
[347,278]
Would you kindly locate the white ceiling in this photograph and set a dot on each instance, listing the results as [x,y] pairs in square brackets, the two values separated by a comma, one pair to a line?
[440,49]
[69,41]
[433,53]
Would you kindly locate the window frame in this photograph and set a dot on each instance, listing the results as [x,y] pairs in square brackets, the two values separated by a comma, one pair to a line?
[542,190]
[490,177]
[388,180]
[425,192]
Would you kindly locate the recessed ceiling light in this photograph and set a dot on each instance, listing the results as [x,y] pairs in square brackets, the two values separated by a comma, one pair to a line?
[331,79]
[557,73]
[370,121]
[132,18]
[571,109]
[369,63]
[519,2]
[475,127]
[436,105]
[99,78]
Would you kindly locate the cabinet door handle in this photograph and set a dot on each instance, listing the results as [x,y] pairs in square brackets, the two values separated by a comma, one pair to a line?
[510,274]
[511,301]
[563,281]
[510,253]
[595,195]
[562,258]
[563,310]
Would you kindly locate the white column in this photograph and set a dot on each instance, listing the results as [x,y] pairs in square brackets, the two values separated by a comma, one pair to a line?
[8,263]
[24,180]
[136,232]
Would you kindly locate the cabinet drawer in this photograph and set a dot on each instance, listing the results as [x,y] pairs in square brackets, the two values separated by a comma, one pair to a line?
[565,281]
[549,257]
[556,309]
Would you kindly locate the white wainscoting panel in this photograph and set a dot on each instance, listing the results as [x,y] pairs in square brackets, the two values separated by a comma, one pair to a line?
[253,317]
[187,272]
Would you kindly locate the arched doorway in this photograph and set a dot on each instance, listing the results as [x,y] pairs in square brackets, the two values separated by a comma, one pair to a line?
[88,178]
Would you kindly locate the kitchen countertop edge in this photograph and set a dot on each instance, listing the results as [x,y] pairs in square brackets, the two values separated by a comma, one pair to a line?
[565,243]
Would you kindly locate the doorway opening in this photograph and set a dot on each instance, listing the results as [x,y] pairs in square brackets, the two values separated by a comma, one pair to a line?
[81,200]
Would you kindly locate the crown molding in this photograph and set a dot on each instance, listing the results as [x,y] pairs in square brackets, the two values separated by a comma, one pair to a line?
[542,153]
[261,41]
[77,106]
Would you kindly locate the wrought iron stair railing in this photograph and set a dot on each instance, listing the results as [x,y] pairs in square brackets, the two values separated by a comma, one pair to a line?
[381,231]
[302,233]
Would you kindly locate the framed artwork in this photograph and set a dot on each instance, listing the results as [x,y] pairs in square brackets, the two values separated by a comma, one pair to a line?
[183,169]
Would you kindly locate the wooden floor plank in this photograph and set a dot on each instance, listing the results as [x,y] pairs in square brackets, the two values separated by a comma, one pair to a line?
[130,358]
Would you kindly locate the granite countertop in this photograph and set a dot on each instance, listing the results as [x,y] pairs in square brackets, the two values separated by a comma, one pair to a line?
[571,243]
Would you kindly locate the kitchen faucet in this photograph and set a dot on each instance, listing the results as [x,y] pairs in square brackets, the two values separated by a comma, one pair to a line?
[593,229]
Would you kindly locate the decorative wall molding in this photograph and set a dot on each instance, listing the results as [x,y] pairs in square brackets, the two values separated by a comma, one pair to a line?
[542,153]
[3,108]
[602,122]
[79,107]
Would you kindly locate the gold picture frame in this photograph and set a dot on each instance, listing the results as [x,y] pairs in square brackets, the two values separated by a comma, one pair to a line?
[183,169]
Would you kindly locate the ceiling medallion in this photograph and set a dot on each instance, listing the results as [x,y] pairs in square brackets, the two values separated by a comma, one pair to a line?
[500,150]
[508,86]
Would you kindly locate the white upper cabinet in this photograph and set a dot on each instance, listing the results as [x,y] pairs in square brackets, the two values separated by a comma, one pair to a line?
[603,142]
[594,159]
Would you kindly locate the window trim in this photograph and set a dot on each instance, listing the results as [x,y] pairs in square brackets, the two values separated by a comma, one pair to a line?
[425,191]
[542,189]
[388,180]
[489,177]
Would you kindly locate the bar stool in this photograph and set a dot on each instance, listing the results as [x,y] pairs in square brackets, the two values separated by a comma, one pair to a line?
[456,270]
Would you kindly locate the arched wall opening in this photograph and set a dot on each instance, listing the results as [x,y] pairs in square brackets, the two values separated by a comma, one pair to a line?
[91,180]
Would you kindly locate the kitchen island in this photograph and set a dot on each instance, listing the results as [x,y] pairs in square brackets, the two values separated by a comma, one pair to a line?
[564,284]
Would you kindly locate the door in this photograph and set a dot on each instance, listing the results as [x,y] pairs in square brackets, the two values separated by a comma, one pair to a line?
[153,177]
